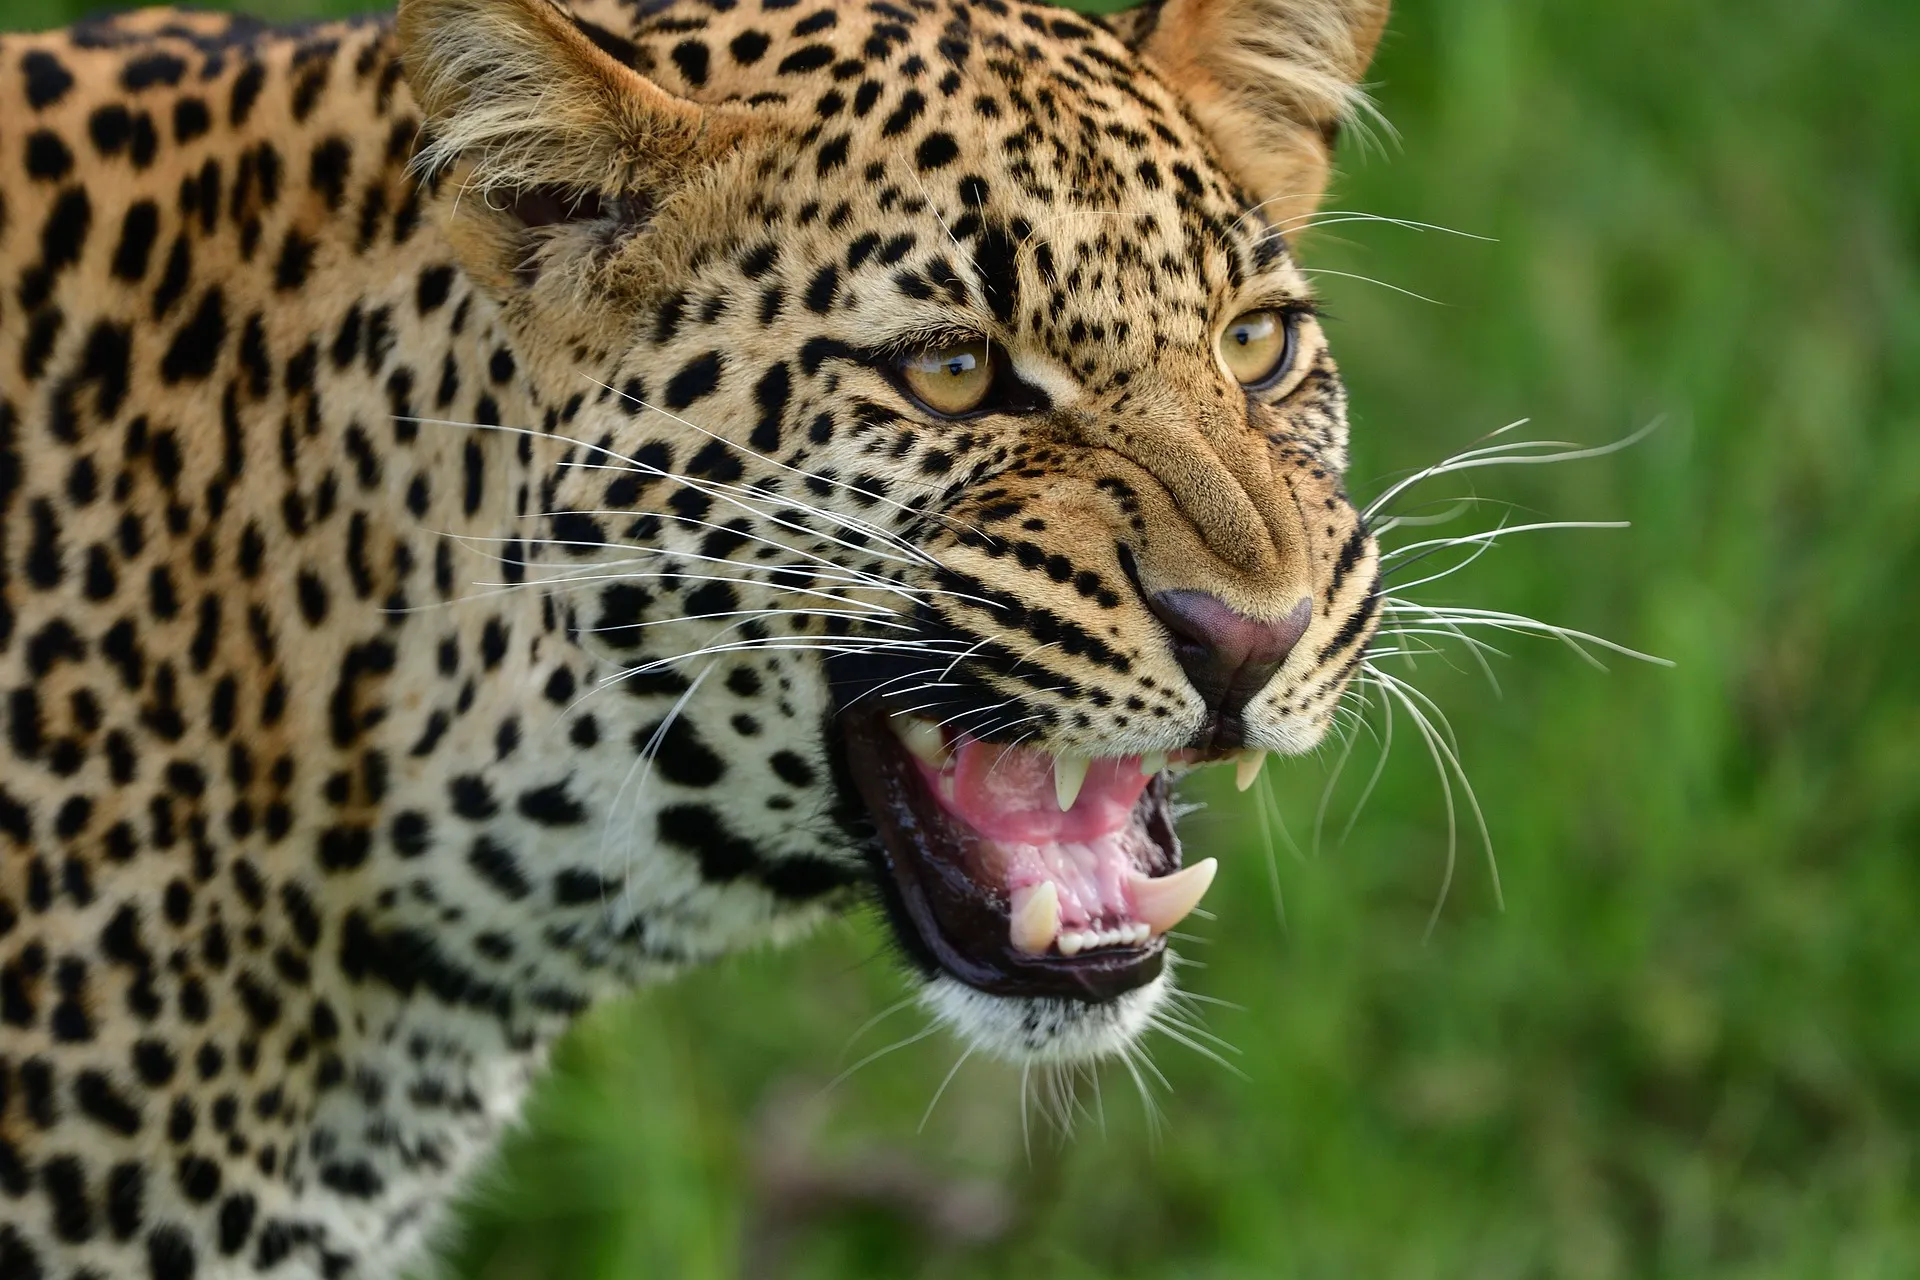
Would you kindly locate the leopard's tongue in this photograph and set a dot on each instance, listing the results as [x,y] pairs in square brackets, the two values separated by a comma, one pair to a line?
[1062,838]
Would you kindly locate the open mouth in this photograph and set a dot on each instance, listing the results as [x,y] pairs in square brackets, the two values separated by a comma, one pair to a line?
[1019,872]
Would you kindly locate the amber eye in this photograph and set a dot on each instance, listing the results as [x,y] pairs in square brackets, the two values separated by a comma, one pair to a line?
[1257,347]
[951,380]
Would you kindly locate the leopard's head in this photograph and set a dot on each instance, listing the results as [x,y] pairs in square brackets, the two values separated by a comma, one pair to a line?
[945,365]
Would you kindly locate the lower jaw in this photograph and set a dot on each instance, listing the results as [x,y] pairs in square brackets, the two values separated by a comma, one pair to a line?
[942,918]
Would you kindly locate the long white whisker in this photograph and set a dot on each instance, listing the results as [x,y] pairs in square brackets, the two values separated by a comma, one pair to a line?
[941,1091]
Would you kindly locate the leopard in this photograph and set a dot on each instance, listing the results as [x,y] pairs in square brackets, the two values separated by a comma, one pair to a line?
[503,503]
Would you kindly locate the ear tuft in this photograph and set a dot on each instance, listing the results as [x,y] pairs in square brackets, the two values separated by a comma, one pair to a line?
[1272,81]
[516,91]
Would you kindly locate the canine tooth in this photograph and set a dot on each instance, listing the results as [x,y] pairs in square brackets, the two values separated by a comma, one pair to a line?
[924,739]
[1069,775]
[1035,919]
[1164,902]
[1152,762]
[1071,943]
[1248,768]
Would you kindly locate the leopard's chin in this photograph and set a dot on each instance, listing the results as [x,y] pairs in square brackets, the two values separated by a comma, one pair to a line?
[1035,891]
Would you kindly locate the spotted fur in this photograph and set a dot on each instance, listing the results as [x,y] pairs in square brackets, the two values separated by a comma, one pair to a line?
[429,499]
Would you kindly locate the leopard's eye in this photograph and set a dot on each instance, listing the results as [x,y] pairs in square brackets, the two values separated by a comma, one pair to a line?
[952,380]
[1257,347]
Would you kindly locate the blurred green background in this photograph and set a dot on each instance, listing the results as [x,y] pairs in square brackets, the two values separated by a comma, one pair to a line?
[1689,1045]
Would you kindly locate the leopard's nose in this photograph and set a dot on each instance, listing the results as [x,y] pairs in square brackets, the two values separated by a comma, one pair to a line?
[1228,656]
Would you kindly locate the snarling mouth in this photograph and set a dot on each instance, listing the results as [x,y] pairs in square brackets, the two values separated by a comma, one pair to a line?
[1019,872]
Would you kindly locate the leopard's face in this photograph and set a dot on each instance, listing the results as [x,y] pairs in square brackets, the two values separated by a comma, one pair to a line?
[934,388]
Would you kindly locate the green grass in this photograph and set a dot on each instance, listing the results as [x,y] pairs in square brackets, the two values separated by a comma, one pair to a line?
[1689,1045]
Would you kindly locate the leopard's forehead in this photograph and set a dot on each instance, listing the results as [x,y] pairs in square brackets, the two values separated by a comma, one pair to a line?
[1031,141]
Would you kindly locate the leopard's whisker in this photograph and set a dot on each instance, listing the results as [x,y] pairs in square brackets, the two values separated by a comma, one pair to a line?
[1334,217]
[722,491]
[1506,455]
[941,1091]
[1365,279]
[643,765]
[1503,531]
[876,530]
[1464,616]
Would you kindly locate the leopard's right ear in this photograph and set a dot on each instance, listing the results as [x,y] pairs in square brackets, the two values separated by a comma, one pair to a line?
[542,127]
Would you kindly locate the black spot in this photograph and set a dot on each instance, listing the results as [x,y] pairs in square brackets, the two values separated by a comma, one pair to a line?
[792,769]
[96,1097]
[154,1062]
[47,80]
[174,278]
[472,797]
[680,754]
[698,377]
[620,49]
[994,256]
[412,833]
[435,284]
[313,597]
[236,1222]
[622,609]
[170,1253]
[499,868]
[190,119]
[152,69]
[912,103]
[327,170]
[770,394]
[576,886]
[723,856]
[749,47]
[936,151]
[833,155]
[474,465]
[61,238]
[126,1196]
[196,345]
[110,127]
[691,57]
[552,806]
[48,158]
[65,1180]
[246,89]
[820,292]
[344,847]
[296,258]
[807,58]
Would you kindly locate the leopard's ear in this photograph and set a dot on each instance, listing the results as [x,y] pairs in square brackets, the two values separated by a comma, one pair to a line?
[553,142]
[1271,81]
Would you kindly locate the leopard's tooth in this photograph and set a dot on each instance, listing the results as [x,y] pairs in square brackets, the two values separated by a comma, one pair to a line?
[1164,902]
[1069,775]
[1034,921]
[923,738]
[1152,762]
[1247,768]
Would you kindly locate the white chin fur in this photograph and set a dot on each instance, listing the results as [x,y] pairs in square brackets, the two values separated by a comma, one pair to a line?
[1020,1029]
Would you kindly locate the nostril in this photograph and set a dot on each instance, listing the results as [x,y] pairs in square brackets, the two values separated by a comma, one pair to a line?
[1227,655]
[1231,637]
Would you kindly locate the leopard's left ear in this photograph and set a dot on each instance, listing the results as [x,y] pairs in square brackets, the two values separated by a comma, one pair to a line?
[1271,81]
[557,148]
